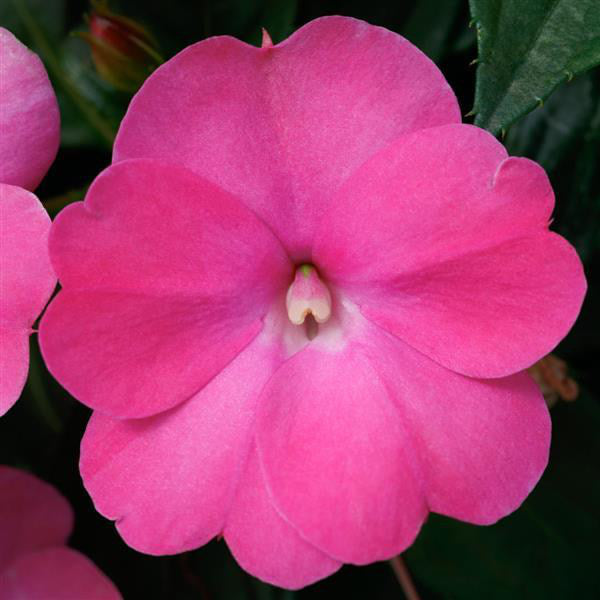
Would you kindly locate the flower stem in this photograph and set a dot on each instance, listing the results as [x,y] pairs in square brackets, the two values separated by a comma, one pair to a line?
[101,125]
[404,579]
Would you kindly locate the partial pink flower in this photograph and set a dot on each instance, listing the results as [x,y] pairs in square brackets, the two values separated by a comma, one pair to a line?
[300,303]
[26,282]
[35,563]
[29,134]
[29,118]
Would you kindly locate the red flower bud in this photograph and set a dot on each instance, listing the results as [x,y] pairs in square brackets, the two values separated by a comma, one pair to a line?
[123,51]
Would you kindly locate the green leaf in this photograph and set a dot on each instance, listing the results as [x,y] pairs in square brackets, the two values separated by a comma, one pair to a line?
[547,548]
[526,49]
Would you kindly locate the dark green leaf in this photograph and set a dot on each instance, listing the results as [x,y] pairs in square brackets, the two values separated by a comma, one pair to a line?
[528,48]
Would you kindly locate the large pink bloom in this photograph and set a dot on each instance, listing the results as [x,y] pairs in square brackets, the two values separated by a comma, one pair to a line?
[35,521]
[327,176]
[29,135]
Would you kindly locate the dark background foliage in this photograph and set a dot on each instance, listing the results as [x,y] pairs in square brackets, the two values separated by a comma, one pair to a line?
[530,93]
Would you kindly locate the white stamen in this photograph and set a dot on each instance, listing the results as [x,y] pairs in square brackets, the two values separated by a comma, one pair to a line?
[308,295]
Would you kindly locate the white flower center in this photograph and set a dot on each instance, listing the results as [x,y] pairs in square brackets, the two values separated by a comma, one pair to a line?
[308,295]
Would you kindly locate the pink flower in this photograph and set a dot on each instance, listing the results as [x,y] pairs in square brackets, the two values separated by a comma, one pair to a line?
[35,563]
[326,177]
[29,135]
[29,119]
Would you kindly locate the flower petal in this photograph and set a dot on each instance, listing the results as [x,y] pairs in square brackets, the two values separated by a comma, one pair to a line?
[33,515]
[337,458]
[29,118]
[264,544]
[58,574]
[165,279]
[282,127]
[483,444]
[169,480]
[25,285]
[450,251]
[490,314]
[155,228]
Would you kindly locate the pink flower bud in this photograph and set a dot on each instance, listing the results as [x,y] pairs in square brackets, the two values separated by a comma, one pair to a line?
[123,51]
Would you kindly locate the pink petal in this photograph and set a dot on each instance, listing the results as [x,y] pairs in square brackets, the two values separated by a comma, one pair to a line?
[27,276]
[450,251]
[26,282]
[168,480]
[29,118]
[492,313]
[55,574]
[165,279]
[483,444]
[33,515]
[264,544]
[281,127]
[338,460]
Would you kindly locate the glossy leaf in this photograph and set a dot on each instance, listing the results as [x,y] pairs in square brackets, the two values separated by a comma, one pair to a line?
[526,50]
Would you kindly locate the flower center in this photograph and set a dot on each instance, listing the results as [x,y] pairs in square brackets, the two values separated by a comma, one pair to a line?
[308,296]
